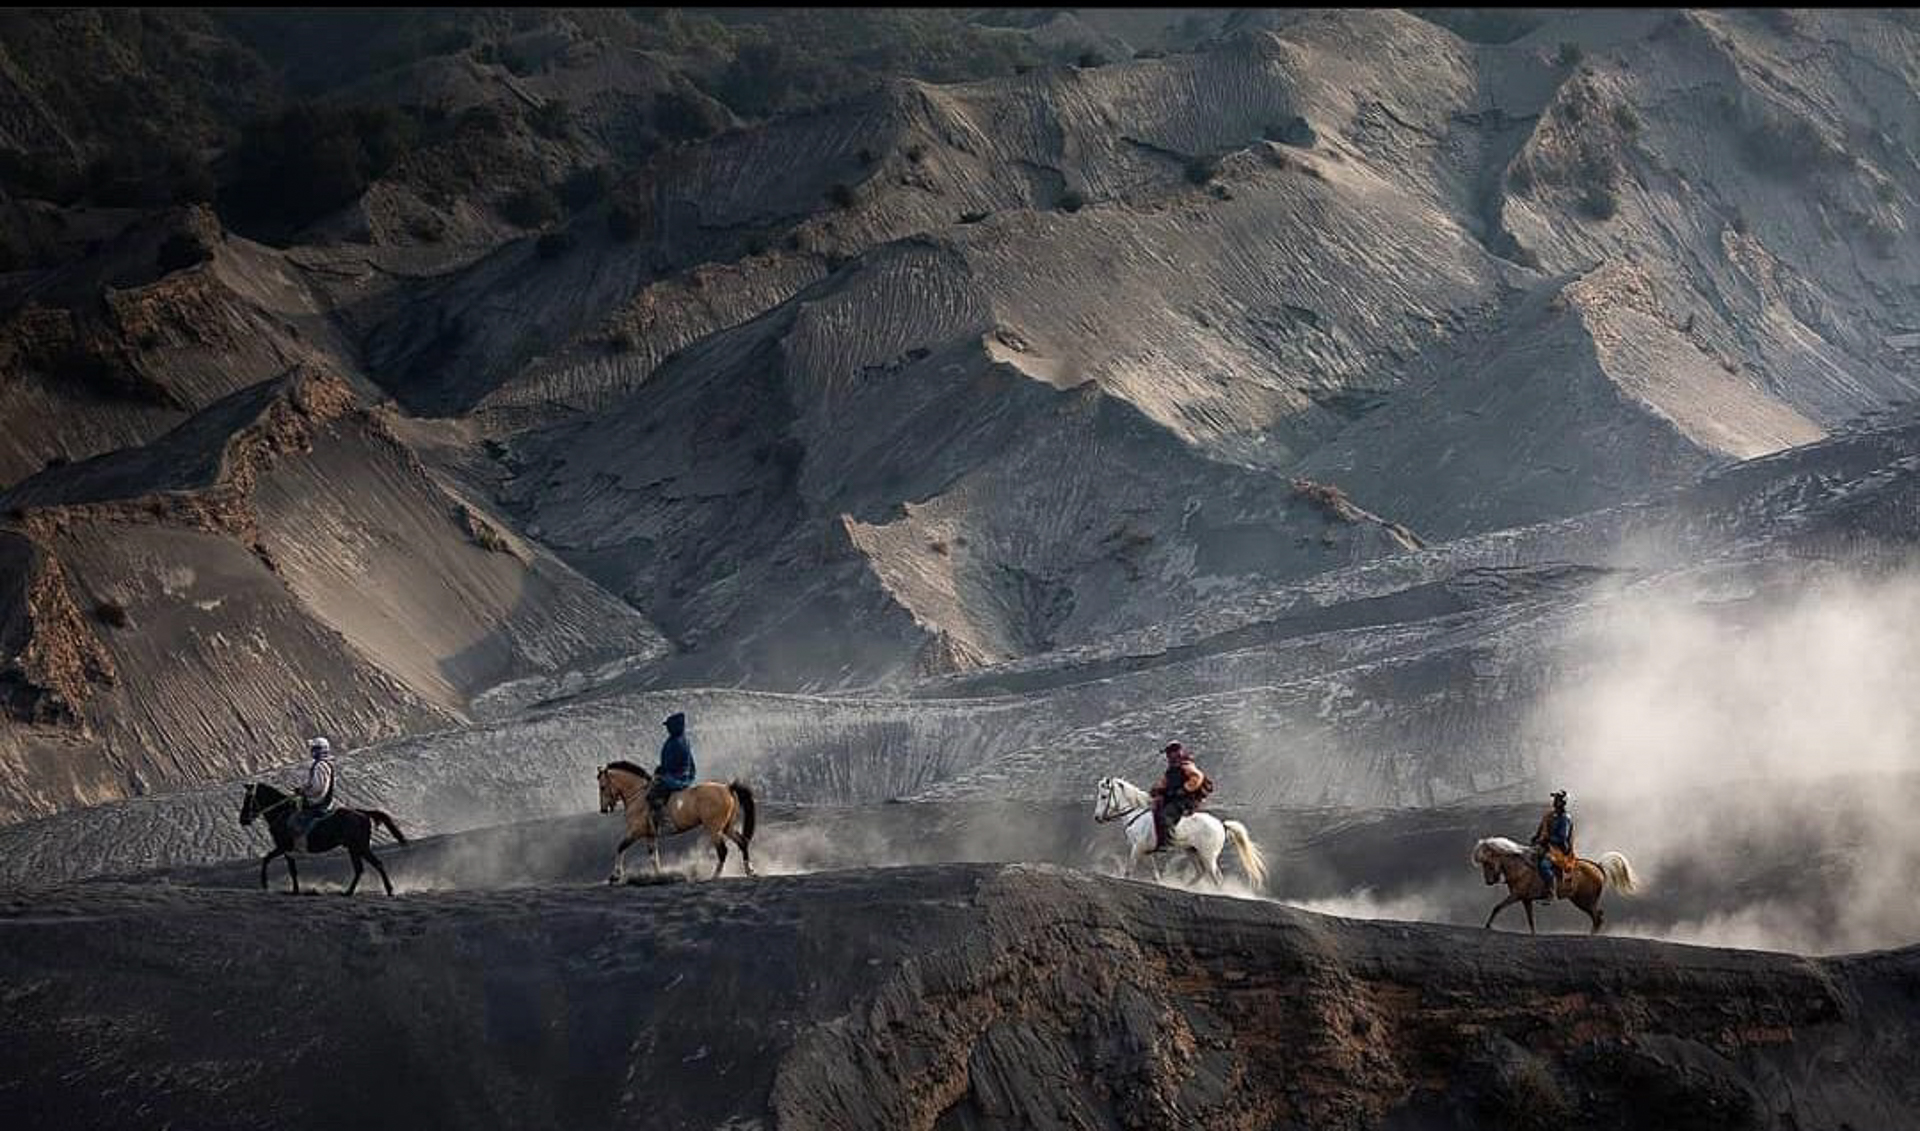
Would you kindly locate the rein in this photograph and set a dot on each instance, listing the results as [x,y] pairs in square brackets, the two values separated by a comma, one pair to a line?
[282,803]
[1138,811]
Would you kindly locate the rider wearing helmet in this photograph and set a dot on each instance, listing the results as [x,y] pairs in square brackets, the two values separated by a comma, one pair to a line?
[1554,838]
[674,773]
[316,793]
[1179,793]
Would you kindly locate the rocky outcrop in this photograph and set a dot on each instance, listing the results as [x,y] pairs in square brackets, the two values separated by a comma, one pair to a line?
[918,998]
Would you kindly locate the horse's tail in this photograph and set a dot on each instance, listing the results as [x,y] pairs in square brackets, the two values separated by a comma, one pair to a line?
[745,796]
[1250,856]
[1619,873]
[380,818]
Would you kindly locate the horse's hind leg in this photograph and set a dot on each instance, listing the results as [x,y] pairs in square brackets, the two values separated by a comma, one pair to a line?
[1592,908]
[720,852]
[358,870]
[380,868]
[746,857]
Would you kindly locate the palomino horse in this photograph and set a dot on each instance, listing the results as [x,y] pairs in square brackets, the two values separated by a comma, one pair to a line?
[1201,834]
[709,805]
[348,828]
[1503,859]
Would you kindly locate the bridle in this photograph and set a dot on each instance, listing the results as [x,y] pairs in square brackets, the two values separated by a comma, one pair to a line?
[1106,802]
[623,796]
[282,803]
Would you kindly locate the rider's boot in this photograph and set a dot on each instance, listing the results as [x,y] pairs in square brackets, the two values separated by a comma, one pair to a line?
[1551,883]
[658,812]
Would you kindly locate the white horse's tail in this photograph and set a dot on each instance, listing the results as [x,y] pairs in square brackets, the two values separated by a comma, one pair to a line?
[1250,856]
[1619,873]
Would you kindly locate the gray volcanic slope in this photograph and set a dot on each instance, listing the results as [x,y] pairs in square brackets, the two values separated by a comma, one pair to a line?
[952,997]
[952,387]
[971,442]
[278,564]
[1410,681]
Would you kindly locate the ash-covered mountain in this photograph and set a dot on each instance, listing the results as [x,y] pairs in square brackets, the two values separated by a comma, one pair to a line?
[1288,379]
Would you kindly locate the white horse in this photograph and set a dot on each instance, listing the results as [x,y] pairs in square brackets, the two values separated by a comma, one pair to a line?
[1201,834]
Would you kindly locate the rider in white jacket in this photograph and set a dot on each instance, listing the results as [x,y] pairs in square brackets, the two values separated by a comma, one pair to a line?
[316,794]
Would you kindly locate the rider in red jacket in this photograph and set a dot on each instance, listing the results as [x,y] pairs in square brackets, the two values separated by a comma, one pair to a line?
[1179,793]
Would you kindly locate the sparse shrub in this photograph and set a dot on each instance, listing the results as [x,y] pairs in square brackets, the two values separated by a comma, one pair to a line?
[531,207]
[680,116]
[1295,131]
[584,188]
[622,341]
[1600,201]
[551,119]
[1071,201]
[865,156]
[1150,53]
[916,153]
[972,217]
[1787,146]
[427,228]
[1202,169]
[787,454]
[181,249]
[1625,117]
[110,612]
[1520,177]
[938,546]
[1569,55]
[842,195]
[1090,59]
[757,244]
[296,167]
[553,245]
[623,223]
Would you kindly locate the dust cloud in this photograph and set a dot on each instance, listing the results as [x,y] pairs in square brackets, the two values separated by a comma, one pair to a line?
[1758,742]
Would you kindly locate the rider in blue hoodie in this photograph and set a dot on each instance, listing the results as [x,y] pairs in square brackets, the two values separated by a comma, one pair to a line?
[675,771]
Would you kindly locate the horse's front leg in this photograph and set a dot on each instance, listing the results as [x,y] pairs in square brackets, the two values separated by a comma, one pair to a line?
[620,859]
[1499,907]
[264,861]
[294,873]
[1527,905]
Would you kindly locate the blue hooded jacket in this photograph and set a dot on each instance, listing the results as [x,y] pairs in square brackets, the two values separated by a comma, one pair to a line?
[676,755]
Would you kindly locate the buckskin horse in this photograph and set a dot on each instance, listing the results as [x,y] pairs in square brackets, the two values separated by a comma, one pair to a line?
[711,805]
[351,829]
[1202,835]
[1509,860]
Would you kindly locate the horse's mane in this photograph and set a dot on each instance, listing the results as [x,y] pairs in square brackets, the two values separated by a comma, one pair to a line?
[1497,846]
[623,764]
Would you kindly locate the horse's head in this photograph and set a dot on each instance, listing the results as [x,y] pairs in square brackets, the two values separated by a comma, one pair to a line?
[1492,854]
[610,791]
[1114,798]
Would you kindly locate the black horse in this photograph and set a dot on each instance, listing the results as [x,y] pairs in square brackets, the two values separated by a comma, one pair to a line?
[352,828]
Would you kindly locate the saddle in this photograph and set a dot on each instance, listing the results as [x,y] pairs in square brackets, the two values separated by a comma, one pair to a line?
[1563,868]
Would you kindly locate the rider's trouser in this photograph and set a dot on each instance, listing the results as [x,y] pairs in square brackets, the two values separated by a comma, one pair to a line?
[1168,812]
